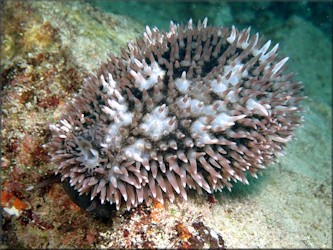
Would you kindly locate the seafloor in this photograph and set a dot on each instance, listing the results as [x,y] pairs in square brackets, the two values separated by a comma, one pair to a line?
[48,47]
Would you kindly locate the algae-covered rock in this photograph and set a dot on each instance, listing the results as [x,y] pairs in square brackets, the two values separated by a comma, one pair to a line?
[48,47]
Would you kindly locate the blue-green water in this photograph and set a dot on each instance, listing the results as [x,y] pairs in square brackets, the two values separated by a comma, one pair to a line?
[259,14]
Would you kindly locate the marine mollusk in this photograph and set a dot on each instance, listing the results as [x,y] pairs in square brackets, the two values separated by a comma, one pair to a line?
[196,107]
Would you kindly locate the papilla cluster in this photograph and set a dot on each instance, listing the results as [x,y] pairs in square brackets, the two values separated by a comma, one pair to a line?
[198,107]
